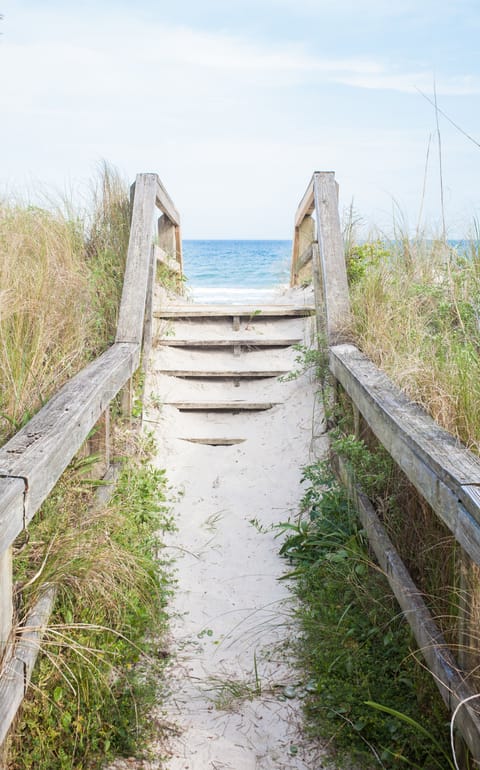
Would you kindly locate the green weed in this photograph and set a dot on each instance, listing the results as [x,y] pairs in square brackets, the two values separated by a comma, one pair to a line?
[355,644]
[103,651]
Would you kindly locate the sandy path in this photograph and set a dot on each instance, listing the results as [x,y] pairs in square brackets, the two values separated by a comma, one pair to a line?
[231,616]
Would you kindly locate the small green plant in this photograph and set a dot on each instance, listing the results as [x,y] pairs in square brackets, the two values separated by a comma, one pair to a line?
[309,358]
[103,652]
[355,645]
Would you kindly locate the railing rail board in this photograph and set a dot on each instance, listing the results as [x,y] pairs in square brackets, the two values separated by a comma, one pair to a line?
[34,459]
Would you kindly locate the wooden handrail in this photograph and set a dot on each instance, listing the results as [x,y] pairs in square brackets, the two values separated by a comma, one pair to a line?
[330,280]
[445,473]
[32,461]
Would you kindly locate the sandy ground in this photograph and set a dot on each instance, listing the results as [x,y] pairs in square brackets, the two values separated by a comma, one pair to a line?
[232,618]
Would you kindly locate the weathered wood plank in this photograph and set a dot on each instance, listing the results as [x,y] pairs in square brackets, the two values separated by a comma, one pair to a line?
[12,493]
[222,406]
[164,259]
[304,259]
[18,669]
[332,257]
[320,322]
[164,202]
[215,441]
[254,342]
[442,470]
[432,645]
[229,311]
[306,205]
[41,451]
[6,598]
[135,284]
[225,374]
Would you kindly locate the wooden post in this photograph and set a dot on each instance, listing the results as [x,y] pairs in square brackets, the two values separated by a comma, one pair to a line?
[469,620]
[167,236]
[6,598]
[99,443]
[306,236]
[332,257]
[148,325]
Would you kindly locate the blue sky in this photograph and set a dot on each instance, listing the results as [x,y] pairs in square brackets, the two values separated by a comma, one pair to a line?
[234,104]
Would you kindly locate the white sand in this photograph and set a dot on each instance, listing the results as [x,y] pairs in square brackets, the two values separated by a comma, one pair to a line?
[231,616]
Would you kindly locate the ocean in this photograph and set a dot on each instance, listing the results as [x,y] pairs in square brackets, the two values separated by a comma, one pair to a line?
[236,271]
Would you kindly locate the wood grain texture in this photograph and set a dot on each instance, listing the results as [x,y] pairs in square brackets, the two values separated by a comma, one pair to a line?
[18,668]
[449,679]
[6,598]
[224,374]
[135,284]
[12,494]
[41,451]
[221,406]
[332,257]
[229,311]
[245,342]
[441,469]
[164,259]
[306,205]
[164,202]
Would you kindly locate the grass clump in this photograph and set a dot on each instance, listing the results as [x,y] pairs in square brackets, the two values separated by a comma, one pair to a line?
[355,644]
[61,275]
[416,310]
[103,651]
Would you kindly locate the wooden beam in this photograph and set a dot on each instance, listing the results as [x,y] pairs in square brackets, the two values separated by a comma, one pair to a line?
[164,202]
[255,342]
[440,468]
[215,441]
[12,494]
[332,257]
[40,452]
[221,406]
[449,679]
[164,259]
[225,374]
[135,283]
[229,311]
[6,599]
[304,259]
[18,668]
[306,205]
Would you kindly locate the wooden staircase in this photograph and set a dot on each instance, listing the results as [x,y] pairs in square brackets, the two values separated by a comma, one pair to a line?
[224,360]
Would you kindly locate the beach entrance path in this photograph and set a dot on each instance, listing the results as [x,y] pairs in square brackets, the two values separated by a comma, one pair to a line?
[233,433]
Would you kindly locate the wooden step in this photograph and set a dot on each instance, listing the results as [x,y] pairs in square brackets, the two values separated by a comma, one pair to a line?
[221,406]
[229,374]
[215,441]
[231,311]
[230,343]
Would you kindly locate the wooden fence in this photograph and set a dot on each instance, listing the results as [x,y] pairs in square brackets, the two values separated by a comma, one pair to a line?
[32,462]
[443,471]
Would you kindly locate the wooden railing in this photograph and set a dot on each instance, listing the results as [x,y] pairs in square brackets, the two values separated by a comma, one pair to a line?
[443,471]
[32,462]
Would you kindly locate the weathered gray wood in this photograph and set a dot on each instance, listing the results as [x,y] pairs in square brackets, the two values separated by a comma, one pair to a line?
[225,374]
[178,249]
[318,294]
[236,323]
[306,205]
[222,406]
[164,259]
[6,598]
[229,311]
[442,470]
[304,258]
[332,257]
[148,319]
[447,676]
[132,306]
[12,494]
[41,451]
[18,669]
[215,441]
[164,202]
[166,238]
[254,342]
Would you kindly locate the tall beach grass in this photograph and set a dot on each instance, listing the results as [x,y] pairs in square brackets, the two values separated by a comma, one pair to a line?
[61,275]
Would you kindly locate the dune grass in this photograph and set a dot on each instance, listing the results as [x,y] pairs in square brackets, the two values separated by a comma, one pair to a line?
[416,310]
[60,276]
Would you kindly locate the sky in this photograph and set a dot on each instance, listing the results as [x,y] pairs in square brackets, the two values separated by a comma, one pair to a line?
[234,103]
